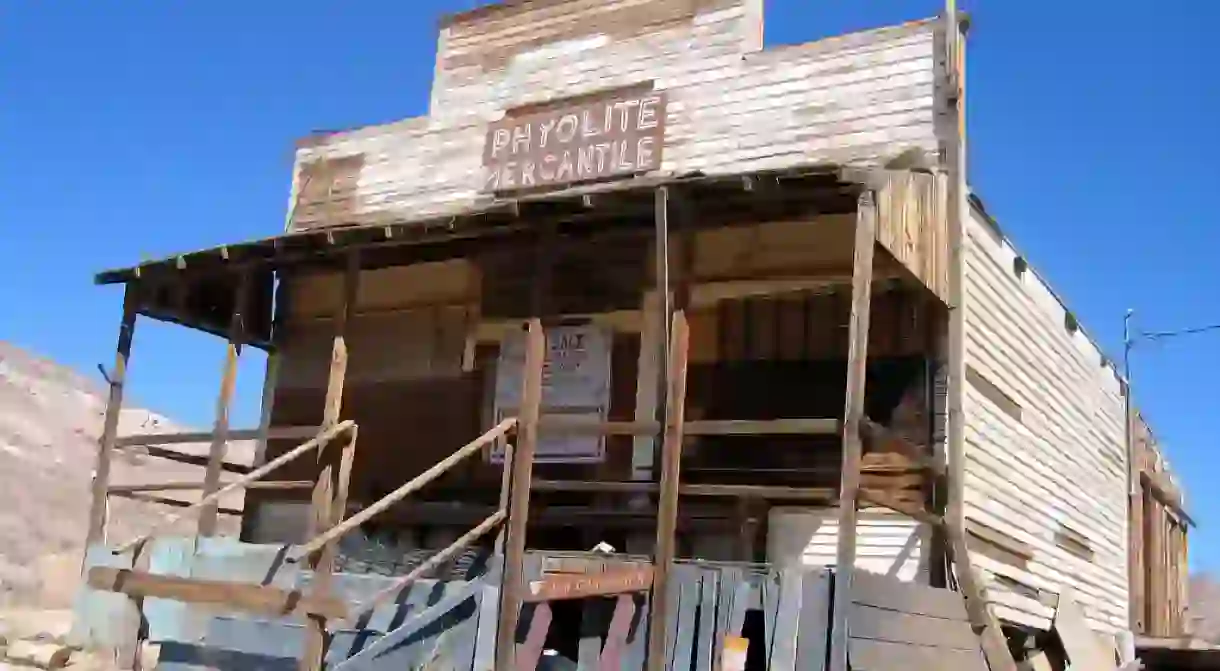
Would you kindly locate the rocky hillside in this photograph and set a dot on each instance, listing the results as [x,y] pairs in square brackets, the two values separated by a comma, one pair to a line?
[1205,606]
[50,420]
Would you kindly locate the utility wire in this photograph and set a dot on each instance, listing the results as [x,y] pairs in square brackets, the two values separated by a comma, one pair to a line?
[1168,334]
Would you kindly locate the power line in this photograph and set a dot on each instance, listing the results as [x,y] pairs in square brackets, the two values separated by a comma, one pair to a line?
[1169,334]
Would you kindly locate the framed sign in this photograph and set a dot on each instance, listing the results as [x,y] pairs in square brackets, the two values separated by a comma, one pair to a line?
[575,381]
[611,134]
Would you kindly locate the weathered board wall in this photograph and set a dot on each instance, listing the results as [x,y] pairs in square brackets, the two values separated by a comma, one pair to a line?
[405,383]
[911,225]
[854,99]
[1045,488]
[887,543]
[1159,540]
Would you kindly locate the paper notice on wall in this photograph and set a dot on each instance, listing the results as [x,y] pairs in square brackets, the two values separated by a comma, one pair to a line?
[575,382]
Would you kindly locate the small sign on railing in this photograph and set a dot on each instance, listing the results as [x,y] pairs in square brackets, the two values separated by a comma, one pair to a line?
[580,586]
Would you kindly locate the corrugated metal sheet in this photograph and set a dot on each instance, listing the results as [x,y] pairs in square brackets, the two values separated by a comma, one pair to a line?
[1044,441]
[851,99]
[887,543]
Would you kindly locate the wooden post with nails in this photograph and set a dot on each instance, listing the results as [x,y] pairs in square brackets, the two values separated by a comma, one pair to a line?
[853,414]
[117,377]
[667,504]
[220,426]
[334,468]
[512,586]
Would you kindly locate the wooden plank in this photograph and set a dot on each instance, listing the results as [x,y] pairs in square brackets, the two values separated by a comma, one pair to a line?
[228,386]
[670,624]
[616,635]
[593,621]
[529,652]
[667,505]
[705,637]
[261,599]
[1081,644]
[783,647]
[328,502]
[793,426]
[912,510]
[272,433]
[512,587]
[881,624]
[849,483]
[166,501]
[815,613]
[608,583]
[118,490]
[194,459]
[869,655]
[635,654]
[770,610]
[485,641]
[689,597]
[96,532]
[729,579]
[880,591]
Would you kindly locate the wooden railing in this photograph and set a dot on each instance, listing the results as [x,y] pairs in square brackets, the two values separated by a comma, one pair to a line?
[320,605]
[246,481]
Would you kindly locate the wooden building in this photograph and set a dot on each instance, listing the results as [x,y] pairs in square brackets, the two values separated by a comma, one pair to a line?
[757,268]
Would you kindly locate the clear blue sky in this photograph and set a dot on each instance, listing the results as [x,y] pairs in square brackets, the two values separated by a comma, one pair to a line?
[146,127]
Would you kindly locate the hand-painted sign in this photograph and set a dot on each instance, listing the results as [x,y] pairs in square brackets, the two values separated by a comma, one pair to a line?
[575,382]
[581,585]
[619,133]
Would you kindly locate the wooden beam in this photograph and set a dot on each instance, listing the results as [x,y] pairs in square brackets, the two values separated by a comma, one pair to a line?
[765,427]
[194,460]
[192,486]
[699,490]
[110,425]
[165,501]
[667,504]
[273,433]
[512,587]
[329,500]
[911,510]
[995,647]
[228,384]
[853,415]
[261,471]
[260,599]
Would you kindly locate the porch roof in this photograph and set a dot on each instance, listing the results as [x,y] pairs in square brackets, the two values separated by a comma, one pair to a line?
[586,201]
[200,289]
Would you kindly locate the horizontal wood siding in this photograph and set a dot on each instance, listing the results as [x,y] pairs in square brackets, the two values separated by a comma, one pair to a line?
[1050,460]
[855,99]
[887,543]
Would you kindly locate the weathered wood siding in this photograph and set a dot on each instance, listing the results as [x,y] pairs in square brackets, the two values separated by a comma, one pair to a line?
[887,543]
[911,225]
[854,99]
[1046,464]
[1159,540]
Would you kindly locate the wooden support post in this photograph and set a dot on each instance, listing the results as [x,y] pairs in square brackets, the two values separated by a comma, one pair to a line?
[665,308]
[110,426]
[853,414]
[220,426]
[994,643]
[329,499]
[667,504]
[512,586]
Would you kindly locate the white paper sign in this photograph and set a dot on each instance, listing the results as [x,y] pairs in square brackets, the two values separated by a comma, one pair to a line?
[575,381]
